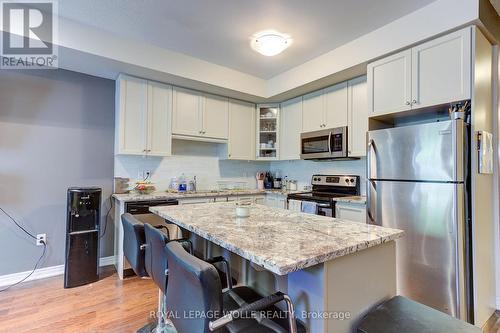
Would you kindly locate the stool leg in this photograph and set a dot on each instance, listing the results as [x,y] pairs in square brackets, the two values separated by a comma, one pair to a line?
[164,324]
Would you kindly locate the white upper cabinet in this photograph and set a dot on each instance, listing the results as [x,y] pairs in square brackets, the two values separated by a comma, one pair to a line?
[433,73]
[215,117]
[199,116]
[326,108]
[186,112]
[441,70]
[131,115]
[357,116]
[389,82]
[159,142]
[143,113]
[241,141]
[290,129]
[313,111]
[336,105]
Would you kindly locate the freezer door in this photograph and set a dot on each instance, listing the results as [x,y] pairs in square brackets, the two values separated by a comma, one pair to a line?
[428,152]
[430,263]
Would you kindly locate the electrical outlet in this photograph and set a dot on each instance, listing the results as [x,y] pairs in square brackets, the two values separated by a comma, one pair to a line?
[41,238]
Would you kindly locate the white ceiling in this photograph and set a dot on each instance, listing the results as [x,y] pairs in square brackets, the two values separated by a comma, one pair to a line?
[218,31]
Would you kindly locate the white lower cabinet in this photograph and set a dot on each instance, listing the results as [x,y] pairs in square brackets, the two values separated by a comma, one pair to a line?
[276,201]
[350,211]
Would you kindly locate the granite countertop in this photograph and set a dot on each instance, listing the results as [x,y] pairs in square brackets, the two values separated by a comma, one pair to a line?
[279,240]
[133,196]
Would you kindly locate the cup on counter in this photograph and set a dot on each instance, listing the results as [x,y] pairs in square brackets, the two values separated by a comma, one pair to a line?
[243,209]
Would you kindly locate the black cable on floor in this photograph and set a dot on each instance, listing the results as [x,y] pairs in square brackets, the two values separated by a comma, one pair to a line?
[39,259]
[31,273]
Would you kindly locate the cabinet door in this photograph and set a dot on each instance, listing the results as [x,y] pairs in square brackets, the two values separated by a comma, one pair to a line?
[215,117]
[159,119]
[271,201]
[336,105]
[132,115]
[313,111]
[291,126]
[351,212]
[186,112]
[441,70]
[241,140]
[357,116]
[389,84]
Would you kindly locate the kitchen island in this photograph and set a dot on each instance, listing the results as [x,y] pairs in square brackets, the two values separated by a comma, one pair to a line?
[334,270]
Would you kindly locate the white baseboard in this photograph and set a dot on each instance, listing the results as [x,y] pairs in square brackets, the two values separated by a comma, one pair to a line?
[46,272]
[41,273]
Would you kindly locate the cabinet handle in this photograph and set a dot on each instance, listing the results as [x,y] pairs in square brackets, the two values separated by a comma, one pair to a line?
[408,103]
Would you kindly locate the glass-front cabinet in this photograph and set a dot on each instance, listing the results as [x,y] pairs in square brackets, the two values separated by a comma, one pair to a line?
[268,131]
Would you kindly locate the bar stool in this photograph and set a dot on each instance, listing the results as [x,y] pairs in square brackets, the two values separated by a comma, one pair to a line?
[194,287]
[156,265]
[135,249]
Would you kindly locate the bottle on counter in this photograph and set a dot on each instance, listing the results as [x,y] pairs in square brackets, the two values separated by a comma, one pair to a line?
[182,183]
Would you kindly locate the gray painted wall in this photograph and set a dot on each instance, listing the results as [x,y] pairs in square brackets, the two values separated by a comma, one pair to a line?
[56,131]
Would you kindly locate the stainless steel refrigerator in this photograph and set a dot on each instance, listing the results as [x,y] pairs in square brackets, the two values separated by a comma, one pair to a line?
[418,182]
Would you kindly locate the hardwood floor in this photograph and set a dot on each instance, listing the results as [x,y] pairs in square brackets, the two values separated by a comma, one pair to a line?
[109,305]
[493,325]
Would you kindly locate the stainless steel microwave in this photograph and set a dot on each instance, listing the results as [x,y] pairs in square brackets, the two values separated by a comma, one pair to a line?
[324,144]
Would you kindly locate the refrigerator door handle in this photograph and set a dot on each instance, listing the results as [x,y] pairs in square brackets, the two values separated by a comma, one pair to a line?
[371,146]
[369,201]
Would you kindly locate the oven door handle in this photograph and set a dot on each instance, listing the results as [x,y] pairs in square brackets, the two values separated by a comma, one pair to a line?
[330,142]
[324,205]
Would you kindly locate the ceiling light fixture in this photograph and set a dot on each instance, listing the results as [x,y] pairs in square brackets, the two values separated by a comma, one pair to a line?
[270,42]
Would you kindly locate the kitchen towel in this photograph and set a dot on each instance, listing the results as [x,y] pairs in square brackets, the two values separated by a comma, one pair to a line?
[309,207]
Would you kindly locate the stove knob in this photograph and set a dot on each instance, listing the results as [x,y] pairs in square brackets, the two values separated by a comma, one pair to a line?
[347,180]
[352,180]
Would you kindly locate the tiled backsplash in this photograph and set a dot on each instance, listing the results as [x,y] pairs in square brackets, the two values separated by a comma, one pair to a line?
[193,159]
[202,160]
[303,170]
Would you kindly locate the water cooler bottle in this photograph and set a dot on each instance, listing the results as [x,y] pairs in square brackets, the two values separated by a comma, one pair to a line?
[82,236]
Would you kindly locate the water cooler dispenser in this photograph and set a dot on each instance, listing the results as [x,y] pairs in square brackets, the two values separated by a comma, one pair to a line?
[82,236]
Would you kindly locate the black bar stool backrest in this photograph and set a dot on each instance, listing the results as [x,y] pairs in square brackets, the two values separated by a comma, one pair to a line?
[193,285]
[133,241]
[156,259]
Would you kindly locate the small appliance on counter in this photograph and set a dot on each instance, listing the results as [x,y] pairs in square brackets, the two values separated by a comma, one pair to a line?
[82,236]
[325,188]
[291,185]
[260,180]
[277,183]
[121,185]
[268,181]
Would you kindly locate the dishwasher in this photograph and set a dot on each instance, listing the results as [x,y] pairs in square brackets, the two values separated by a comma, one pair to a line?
[140,210]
